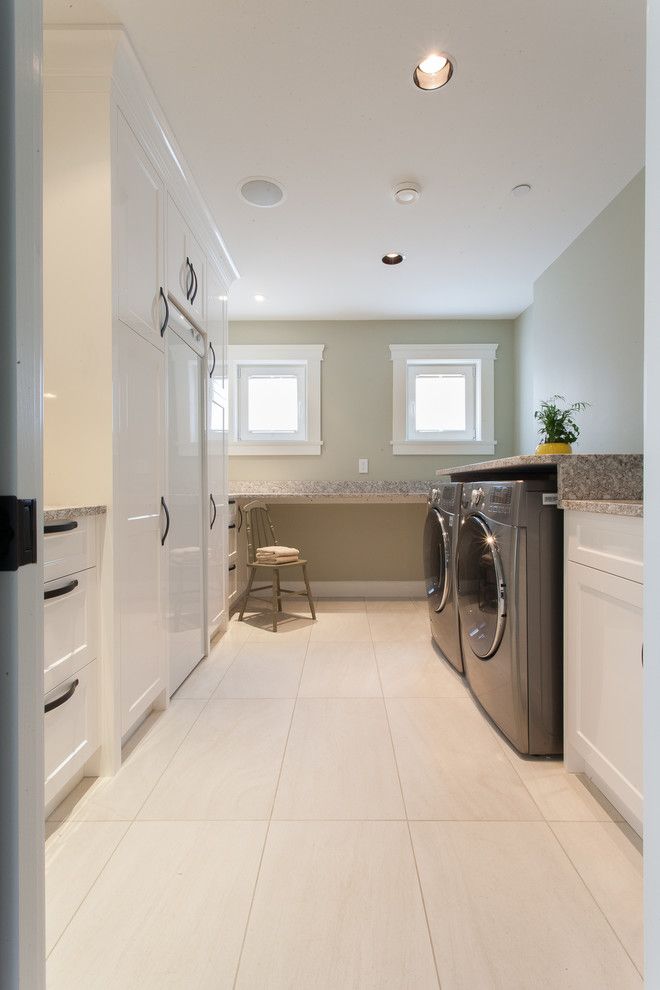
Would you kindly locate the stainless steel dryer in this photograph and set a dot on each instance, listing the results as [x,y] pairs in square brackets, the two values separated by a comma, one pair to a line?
[509,590]
[440,533]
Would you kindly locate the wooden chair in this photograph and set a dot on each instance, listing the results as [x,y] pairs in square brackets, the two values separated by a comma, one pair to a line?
[261,533]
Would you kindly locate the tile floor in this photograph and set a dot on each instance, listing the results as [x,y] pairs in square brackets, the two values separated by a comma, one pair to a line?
[325,807]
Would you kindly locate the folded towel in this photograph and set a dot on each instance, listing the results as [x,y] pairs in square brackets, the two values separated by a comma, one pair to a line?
[278,551]
[266,561]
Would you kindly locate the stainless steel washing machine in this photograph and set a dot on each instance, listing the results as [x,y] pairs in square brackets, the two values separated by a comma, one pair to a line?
[510,591]
[440,533]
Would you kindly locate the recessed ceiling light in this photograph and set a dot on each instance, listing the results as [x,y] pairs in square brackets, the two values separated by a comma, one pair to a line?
[259,298]
[434,71]
[392,258]
[261,191]
[521,190]
[406,193]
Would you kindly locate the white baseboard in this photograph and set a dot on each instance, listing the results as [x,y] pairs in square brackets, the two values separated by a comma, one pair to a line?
[361,589]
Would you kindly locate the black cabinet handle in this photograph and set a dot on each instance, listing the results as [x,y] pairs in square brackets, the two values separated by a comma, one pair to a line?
[231,501]
[192,298]
[62,527]
[167,521]
[215,511]
[163,325]
[58,592]
[232,567]
[231,526]
[212,350]
[189,287]
[69,693]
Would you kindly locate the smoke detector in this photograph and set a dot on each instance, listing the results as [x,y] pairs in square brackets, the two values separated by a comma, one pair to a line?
[406,193]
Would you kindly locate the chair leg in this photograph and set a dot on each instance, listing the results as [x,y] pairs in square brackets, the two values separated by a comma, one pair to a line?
[247,593]
[279,592]
[275,582]
[309,592]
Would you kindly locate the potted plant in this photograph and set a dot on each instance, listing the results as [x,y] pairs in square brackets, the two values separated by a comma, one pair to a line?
[558,428]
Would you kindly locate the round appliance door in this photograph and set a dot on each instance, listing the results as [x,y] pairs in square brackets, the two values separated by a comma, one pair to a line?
[437,551]
[481,588]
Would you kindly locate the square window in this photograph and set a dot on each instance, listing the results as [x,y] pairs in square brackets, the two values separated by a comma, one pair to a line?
[441,401]
[272,402]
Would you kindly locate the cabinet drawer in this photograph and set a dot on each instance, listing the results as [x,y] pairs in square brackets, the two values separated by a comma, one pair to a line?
[232,579]
[609,543]
[70,550]
[70,625]
[71,729]
[232,512]
[231,540]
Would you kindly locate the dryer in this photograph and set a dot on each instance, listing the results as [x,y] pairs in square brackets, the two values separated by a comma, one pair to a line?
[440,531]
[510,602]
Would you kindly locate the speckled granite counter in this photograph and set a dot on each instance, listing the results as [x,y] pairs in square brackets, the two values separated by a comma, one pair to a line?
[355,492]
[613,482]
[613,507]
[59,512]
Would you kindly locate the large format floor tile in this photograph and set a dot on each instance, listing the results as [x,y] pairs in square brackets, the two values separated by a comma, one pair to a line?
[508,912]
[291,627]
[229,764]
[341,627]
[416,670]
[264,670]
[391,626]
[75,855]
[339,762]
[206,676]
[451,765]
[608,857]
[146,756]
[340,670]
[168,911]
[337,906]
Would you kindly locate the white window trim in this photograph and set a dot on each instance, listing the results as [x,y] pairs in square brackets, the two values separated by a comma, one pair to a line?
[309,355]
[482,356]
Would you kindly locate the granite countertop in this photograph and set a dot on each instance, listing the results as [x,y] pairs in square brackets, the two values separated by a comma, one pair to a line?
[346,492]
[612,483]
[56,513]
[613,507]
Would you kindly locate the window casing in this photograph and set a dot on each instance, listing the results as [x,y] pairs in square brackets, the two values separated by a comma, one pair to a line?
[443,398]
[275,399]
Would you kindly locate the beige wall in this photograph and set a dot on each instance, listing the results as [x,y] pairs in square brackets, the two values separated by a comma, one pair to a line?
[356,387]
[583,336]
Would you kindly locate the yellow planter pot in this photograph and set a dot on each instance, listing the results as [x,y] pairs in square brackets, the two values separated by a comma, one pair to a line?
[545,449]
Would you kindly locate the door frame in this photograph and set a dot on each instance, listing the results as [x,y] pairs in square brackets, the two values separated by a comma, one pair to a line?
[22,858]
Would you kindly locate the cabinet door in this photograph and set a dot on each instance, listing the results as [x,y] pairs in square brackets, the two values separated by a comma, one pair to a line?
[217,545]
[138,198]
[139,522]
[186,263]
[216,326]
[604,679]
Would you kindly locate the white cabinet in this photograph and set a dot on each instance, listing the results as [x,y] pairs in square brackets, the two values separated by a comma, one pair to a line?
[140,574]
[186,263]
[217,541]
[138,217]
[603,656]
[71,729]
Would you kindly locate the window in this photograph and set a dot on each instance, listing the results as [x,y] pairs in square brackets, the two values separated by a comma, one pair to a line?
[275,398]
[443,401]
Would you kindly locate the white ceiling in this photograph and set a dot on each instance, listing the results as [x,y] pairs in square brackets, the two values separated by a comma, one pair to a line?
[320,97]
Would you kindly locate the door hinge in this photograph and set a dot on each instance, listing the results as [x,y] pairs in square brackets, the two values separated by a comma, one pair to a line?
[18,532]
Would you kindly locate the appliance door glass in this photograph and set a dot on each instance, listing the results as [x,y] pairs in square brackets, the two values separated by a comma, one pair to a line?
[437,550]
[481,588]
[185,619]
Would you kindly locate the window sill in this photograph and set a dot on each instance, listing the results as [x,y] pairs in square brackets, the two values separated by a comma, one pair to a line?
[306,447]
[441,448]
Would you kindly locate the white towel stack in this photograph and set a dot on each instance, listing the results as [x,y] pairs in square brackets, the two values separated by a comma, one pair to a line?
[277,555]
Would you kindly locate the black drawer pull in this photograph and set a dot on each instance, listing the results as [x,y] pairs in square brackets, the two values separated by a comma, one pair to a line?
[163,326]
[58,592]
[69,693]
[189,288]
[231,501]
[61,527]
[231,526]
[194,292]
[232,567]
[167,521]
[215,511]
[212,349]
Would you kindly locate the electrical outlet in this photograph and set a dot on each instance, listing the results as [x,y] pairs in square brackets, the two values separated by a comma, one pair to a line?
[363,465]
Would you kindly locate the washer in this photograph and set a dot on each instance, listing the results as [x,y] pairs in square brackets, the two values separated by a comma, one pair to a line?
[510,602]
[440,533]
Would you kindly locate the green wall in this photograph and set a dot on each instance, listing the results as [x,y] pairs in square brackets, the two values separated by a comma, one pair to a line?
[356,385]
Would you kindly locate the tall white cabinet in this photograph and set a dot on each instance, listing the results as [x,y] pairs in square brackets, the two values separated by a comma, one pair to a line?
[146,246]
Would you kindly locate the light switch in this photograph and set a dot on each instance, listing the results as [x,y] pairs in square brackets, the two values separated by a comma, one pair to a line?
[363,465]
